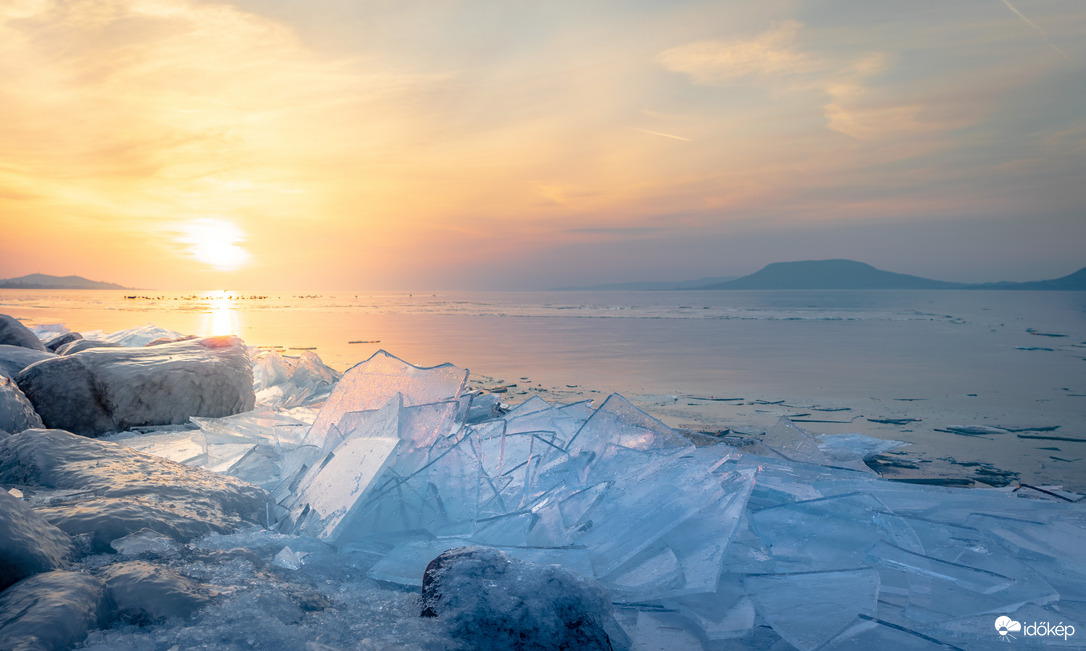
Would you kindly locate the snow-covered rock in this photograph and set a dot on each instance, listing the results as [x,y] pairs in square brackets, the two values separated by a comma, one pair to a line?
[30,544]
[144,592]
[14,333]
[16,412]
[490,600]
[80,345]
[110,491]
[60,340]
[51,611]
[15,358]
[103,390]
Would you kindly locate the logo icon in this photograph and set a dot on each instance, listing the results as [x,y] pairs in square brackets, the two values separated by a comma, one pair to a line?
[1005,626]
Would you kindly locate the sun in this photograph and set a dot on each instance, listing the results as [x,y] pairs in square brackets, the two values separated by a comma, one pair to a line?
[214,242]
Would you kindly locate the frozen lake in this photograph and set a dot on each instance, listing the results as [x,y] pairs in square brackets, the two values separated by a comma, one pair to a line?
[840,360]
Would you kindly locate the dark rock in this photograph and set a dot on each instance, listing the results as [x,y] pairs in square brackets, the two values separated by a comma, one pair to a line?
[144,593]
[16,412]
[104,390]
[30,544]
[490,600]
[66,338]
[14,333]
[83,344]
[15,358]
[121,491]
[51,611]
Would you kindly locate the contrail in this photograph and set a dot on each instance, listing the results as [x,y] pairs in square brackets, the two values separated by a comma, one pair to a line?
[1036,27]
[657,133]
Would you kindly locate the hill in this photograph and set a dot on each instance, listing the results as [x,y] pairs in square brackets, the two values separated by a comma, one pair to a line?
[45,281]
[1070,282]
[830,274]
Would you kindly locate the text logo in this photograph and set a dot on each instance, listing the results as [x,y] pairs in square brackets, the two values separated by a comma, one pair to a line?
[1005,626]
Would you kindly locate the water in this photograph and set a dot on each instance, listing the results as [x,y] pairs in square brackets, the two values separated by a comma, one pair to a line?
[947,358]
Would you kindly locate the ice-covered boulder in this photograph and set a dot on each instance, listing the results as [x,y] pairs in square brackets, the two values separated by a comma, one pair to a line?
[141,336]
[104,390]
[111,491]
[51,611]
[144,592]
[16,412]
[83,344]
[60,340]
[15,358]
[30,544]
[490,600]
[14,333]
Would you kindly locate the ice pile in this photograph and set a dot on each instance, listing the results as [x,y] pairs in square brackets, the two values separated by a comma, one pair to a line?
[799,542]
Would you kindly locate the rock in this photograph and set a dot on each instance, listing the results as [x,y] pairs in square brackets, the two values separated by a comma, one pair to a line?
[15,358]
[490,600]
[31,545]
[54,610]
[58,341]
[121,491]
[14,333]
[104,390]
[83,344]
[16,412]
[145,593]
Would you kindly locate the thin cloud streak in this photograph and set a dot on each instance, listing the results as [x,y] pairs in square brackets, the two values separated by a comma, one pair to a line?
[661,134]
[1038,28]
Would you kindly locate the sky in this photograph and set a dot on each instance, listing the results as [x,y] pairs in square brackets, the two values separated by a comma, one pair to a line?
[446,144]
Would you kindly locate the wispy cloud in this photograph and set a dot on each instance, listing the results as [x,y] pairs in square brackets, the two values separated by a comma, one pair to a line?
[661,134]
[770,53]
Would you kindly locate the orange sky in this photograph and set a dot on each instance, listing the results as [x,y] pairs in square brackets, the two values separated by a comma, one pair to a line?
[384,145]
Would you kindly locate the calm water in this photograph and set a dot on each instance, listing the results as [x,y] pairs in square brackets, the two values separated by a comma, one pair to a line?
[949,358]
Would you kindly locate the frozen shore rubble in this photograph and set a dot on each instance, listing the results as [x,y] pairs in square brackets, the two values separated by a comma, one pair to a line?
[326,503]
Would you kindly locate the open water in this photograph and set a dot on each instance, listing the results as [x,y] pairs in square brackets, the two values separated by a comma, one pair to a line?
[835,361]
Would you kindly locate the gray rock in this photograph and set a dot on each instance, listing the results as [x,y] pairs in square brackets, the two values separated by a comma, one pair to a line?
[492,601]
[83,344]
[15,358]
[118,491]
[145,593]
[31,545]
[104,390]
[14,333]
[16,412]
[51,611]
[60,340]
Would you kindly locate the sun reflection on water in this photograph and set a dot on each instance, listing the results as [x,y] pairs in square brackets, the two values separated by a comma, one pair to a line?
[222,317]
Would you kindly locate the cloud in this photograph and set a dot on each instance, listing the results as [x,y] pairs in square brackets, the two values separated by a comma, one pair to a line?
[770,53]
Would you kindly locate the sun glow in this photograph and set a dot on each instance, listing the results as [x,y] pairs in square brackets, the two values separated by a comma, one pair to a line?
[214,242]
[222,317]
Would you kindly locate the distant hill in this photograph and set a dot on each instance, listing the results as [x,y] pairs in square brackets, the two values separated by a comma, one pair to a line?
[649,285]
[1070,282]
[45,281]
[829,274]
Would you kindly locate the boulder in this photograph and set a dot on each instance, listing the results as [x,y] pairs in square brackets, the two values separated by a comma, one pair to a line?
[31,545]
[15,358]
[14,333]
[490,600]
[104,390]
[51,611]
[16,412]
[122,491]
[145,593]
[60,340]
[80,345]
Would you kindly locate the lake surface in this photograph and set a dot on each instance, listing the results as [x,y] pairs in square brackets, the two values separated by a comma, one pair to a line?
[834,359]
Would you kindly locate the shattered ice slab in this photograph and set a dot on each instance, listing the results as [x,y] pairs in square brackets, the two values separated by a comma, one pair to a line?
[135,337]
[843,447]
[331,490]
[289,381]
[372,383]
[810,609]
[832,533]
[268,426]
[186,446]
[793,443]
[723,614]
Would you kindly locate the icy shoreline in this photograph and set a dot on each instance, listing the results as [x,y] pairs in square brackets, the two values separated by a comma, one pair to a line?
[787,539]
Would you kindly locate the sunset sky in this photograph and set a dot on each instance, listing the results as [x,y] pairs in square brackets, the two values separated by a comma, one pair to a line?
[355,144]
